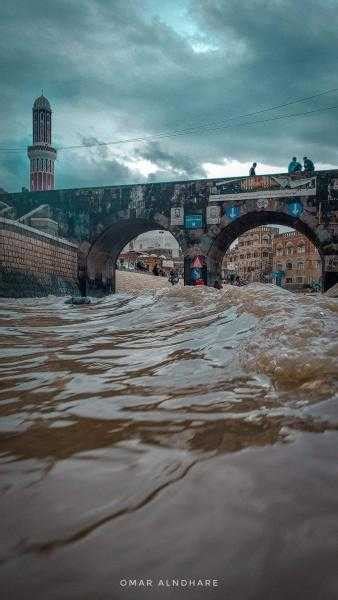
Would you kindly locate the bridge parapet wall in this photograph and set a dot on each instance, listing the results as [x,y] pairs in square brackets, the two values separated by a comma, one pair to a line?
[34,263]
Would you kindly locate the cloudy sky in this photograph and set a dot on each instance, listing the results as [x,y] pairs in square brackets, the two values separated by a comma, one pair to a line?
[121,69]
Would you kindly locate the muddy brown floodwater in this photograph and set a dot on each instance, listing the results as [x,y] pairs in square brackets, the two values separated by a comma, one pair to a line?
[169,435]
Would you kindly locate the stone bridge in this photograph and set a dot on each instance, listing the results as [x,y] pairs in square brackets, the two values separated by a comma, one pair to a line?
[205,217]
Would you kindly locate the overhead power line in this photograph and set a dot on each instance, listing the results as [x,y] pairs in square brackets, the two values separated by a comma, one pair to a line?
[211,125]
[196,130]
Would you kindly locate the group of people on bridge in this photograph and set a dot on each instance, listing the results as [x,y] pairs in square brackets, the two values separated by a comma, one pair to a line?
[294,167]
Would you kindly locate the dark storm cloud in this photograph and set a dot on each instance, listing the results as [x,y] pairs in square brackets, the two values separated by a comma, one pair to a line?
[113,69]
[180,164]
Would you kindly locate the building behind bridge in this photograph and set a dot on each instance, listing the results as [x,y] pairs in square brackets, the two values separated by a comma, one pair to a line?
[251,258]
[297,259]
[263,254]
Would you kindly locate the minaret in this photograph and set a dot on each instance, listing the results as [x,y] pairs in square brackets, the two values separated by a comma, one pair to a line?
[41,154]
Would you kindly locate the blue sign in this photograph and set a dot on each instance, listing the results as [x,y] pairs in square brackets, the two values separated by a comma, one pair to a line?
[232,212]
[193,221]
[295,207]
[195,274]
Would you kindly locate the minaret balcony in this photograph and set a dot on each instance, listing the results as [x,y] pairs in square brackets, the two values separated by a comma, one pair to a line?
[41,151]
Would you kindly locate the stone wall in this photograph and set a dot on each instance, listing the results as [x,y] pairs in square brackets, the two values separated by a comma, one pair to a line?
[35,263]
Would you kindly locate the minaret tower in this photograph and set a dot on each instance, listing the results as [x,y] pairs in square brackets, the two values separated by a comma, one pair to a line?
[41,154]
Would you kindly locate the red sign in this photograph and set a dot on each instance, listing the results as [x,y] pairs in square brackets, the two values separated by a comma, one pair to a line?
[197,263]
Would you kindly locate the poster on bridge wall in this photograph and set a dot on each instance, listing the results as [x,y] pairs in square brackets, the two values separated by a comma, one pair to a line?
[177,215]
[263,186]
[213,215]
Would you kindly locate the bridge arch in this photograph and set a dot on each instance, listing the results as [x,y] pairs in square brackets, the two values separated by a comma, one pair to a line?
[228,234]
[98,276]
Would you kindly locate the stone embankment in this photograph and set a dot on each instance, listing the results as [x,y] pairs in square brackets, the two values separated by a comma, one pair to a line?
[35,263]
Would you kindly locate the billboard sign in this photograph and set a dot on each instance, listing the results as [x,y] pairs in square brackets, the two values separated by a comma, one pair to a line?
[264,186]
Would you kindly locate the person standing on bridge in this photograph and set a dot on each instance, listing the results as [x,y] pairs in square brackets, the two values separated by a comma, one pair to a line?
[252,172]
[308,166]
[294,166]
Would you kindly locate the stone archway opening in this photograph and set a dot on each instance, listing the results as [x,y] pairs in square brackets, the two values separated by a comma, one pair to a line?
[103,262]
[147,260]
[290,267]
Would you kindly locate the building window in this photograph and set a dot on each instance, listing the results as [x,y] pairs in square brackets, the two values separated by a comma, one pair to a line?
[289,265]
[288,280]
[301,249]
[299,279]
[248,255]
[300,266]
[289,250]
[279,251]
[266,254]
[279,267]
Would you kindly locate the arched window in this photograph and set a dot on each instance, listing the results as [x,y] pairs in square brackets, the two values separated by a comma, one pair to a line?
[279,250]
[289,250]
[289,265]
[301,249]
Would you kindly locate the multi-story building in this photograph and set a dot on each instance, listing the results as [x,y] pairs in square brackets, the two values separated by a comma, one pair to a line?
[252,257]
[266,255]
[297,260]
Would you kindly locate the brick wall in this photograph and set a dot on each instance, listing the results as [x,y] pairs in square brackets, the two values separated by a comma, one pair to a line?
[34,263]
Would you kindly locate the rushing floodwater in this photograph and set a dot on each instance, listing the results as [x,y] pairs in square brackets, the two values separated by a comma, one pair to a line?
[184,433]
